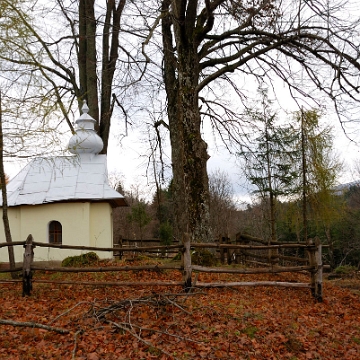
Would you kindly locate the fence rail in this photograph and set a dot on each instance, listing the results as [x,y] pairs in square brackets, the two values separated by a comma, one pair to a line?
[187,268]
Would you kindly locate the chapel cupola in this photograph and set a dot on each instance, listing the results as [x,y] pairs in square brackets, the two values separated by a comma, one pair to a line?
[85,140]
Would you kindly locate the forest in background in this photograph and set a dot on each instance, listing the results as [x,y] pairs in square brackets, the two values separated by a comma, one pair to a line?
[153,219]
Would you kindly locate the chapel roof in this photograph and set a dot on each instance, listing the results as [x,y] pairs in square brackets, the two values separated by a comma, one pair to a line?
[63,179]
[82,177]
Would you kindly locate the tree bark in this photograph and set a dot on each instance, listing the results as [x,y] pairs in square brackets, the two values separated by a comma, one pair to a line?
[110,55]
[87,60]
[190,184]
[91,68]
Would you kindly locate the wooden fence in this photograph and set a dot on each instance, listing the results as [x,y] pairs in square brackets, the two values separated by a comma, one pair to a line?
[157,249]
[314,265]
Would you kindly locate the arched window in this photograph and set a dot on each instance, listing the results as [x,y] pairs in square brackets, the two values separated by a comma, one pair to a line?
[55,232]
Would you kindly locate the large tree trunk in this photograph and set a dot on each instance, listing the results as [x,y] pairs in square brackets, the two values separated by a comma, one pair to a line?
[91,66]
[110,55]
[189,151]
[87,59]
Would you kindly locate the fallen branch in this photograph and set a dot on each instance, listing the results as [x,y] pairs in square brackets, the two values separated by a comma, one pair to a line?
[67,311]
[75,343]
[140,338]
[33,325]
[153,300]
[175,304]
[182,338]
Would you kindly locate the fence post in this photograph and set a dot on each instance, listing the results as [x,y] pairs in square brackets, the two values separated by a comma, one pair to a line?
[222,250]
[312,262]
[228,251]
[118,254]
[319,273]
[315,259]
[28,259]
[186,262]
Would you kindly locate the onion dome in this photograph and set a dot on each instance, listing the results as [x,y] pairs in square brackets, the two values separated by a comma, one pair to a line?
[85,140]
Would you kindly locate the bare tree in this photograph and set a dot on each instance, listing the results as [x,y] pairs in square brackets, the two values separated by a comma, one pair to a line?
[4,204]
[310,46]
[305,44]
[77,51]
[222,204]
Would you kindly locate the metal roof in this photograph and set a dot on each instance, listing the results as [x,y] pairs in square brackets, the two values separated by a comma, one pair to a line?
[63,179]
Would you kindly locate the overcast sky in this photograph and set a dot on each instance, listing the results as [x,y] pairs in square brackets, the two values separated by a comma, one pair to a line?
[128,158]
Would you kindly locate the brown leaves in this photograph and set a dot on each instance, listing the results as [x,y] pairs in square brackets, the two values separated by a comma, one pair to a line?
[243,323]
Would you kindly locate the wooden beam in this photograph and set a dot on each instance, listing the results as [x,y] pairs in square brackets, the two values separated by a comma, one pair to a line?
[251,271]
[251,283]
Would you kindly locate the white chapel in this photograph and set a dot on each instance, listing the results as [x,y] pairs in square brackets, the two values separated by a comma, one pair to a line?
[64,200]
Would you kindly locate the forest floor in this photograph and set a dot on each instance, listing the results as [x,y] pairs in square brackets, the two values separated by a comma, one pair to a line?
[142,322]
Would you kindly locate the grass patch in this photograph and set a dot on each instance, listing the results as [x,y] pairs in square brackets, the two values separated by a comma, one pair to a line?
[346,269]
[250,331]
[5,276]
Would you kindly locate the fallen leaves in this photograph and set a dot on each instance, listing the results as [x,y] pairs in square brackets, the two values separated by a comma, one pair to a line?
[148,323]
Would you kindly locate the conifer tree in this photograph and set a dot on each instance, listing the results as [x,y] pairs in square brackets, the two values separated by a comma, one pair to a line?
[269,157]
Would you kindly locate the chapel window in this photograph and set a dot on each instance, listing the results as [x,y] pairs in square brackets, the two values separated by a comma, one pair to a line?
[55,232]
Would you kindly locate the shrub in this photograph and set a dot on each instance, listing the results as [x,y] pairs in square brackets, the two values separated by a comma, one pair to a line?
[346,269]
[177,257]
[80,260]
[203,257]
[165,234]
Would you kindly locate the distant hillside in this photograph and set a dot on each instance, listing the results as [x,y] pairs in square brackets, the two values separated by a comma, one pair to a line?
[340,189]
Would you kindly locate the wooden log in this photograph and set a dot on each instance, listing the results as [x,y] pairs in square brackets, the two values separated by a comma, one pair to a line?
[109,268]
[251,271]
[155,240]
[245,238]
[28,259]
[253,262]
[248,283]
[283,257]
[186,262]
[8,281]
[34,325]
[160,255]
[252,247]
[93,248]
[255,255]
[16,269]
[110,283]
[293,258]
[14,243]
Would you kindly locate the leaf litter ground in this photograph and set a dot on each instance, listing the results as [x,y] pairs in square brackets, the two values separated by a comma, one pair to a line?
[165,323]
